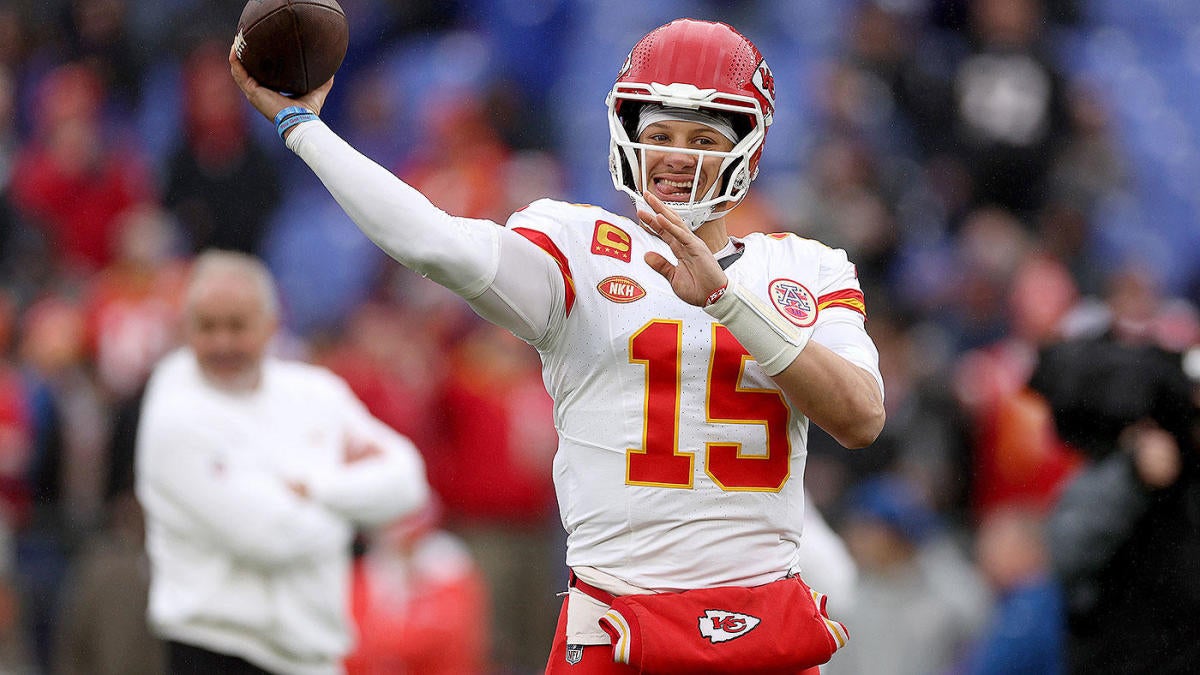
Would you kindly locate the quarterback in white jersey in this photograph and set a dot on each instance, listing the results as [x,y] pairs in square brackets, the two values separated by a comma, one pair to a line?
[685,365]
[680,461]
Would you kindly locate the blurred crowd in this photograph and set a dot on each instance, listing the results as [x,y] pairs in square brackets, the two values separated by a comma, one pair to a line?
[976,159]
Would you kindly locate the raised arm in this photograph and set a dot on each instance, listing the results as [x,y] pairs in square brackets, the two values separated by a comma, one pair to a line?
[474,258]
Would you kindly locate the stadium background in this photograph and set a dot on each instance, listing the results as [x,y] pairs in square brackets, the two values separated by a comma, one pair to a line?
[1000,183]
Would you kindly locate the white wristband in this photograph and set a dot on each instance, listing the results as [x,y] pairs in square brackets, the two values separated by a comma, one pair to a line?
[772,340]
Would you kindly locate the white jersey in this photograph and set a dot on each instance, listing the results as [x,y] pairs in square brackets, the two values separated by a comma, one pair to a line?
[239,563]
[680,462]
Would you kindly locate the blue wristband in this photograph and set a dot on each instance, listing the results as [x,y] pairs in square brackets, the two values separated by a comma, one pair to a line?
[291,116]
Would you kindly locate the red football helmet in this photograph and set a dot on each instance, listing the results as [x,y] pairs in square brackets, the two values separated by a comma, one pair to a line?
[697,65]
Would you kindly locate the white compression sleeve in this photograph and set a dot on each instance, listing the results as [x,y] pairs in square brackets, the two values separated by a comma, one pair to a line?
[770,339]
[462,254]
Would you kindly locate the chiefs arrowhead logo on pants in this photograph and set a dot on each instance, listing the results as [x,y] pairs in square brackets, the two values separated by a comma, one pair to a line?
[719,625]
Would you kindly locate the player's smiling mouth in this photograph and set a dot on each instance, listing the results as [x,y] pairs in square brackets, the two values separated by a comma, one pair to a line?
[670,187]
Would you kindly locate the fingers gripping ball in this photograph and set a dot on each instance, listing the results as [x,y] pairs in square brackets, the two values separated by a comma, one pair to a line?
[292,46]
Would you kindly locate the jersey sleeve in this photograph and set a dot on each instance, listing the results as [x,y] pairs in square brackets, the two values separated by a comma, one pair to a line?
[842,313]
[543,224]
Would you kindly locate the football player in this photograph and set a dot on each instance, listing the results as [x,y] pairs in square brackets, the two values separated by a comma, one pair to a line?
[685,365]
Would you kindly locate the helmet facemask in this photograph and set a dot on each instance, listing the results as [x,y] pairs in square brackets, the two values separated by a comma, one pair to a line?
[627,157]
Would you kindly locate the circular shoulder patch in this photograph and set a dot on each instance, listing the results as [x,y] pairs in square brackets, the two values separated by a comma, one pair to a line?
[795,302]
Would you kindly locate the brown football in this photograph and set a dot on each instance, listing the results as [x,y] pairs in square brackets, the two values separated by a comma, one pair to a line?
[292,46]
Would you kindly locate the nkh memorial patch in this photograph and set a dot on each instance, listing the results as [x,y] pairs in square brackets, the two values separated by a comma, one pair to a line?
[621,289]
[720,625]
[795,302]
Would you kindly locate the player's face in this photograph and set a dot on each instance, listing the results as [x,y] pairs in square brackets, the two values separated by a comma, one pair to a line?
[229,329]
[671,174]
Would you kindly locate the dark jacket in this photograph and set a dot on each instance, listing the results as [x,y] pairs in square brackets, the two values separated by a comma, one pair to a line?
[1128,556]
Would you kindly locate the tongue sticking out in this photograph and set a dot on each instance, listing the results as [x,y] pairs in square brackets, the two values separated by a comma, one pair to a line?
[678,190]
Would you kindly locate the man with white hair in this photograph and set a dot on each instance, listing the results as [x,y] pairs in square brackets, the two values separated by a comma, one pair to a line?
[254,473]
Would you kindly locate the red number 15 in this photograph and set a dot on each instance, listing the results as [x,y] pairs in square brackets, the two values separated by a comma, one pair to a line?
[659,462]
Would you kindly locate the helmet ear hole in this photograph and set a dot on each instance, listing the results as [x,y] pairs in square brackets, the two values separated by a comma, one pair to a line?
[735,180]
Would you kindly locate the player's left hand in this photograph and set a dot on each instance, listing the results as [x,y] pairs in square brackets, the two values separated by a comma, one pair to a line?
[696,274]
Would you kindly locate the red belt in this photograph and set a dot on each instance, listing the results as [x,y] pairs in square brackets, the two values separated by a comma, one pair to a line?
[590,590]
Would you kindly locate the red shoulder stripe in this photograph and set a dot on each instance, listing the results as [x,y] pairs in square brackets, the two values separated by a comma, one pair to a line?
[848,298]
[546,244]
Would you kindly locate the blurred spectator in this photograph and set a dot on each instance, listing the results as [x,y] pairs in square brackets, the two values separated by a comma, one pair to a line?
[220,183]
[845,206]
[1091,165]
[1137,310]
[254,473]
[68,485]
[918,600]
[1016,456]
[103,628]
[492,468]
[15,656]
[1009,105]
[71,180]
[889,85]
[18,426]
[866,90]
[66,471]
[132,304]
[99,36]
[8,125]
[391,357]
[881,102]
[1123,536]
[465,167]
[461,162]
[1125,546]
[420,603]
[1026,632]
[18,439]
[990,247]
